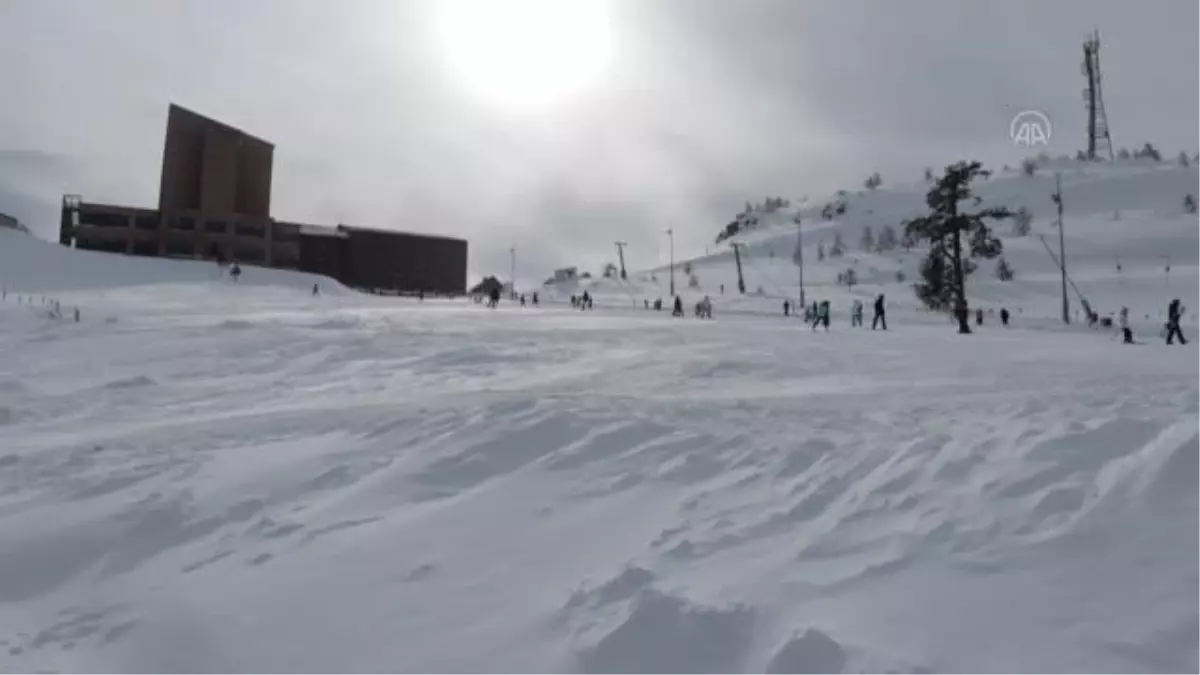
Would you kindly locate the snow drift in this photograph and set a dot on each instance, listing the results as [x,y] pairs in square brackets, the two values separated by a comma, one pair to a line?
[207,477]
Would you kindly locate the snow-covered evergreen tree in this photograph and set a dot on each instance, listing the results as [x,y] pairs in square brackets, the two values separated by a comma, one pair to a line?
[955,236]
[1004,271]
[839,247]
[887,240]
[867,242]
[1022,222]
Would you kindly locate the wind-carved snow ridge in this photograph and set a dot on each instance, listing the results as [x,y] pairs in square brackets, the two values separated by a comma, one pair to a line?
[207,477]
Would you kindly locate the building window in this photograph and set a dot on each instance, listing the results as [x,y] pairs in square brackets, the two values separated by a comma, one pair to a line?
[248,254]
[149,248]
[146,222]
[214,226]
[185,223]
[104,219]
[249,230]
[181,249]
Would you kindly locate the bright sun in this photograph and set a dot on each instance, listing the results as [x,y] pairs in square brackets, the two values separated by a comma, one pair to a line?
[524,54]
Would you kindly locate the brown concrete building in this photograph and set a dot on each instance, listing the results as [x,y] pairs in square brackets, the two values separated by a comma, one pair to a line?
[214,203]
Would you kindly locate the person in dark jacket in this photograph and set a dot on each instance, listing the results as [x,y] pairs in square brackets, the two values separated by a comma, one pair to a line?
[1004,316]
[1174,313]
[787,306]
[880,315]
[678,311]
[979,317]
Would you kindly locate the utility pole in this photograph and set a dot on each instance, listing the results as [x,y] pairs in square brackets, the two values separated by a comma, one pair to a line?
[513,275]
[1062,251]
[621,256]
[800,258]
[737,257]
[671,235]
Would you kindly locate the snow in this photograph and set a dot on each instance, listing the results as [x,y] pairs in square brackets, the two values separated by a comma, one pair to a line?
[205,476]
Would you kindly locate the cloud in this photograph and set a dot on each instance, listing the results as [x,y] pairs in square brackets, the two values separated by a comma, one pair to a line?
[709,104]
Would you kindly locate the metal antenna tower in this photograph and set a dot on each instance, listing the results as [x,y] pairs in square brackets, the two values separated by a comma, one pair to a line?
[1099,140]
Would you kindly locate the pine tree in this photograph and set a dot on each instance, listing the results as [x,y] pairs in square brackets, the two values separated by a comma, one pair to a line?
[946,227]
[867,242]
[1123,154]
[839,247]
[1022,222]
[1004,271]
[887,238]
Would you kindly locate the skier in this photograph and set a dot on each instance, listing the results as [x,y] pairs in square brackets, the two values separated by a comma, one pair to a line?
[822,316]
[786,307]
[522,299]
[1174,313]
[856,314]
[678,311]
[316,290]
[1004,316]
[235,272]
[880,313]
[535,299]
[1126,332]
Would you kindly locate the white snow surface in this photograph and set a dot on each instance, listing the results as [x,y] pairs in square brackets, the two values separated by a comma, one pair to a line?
[202,476]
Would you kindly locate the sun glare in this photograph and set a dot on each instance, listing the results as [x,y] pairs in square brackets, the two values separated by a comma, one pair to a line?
[524,54]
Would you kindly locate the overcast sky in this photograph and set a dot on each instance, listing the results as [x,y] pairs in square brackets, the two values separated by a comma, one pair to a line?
[707,104]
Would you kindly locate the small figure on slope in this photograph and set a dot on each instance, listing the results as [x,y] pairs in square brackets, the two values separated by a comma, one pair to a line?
[1174,313]
[822,315]
[1126,332]
[880,317]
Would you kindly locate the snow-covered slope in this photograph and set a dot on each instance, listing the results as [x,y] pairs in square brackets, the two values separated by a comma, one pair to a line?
[34,265]
[207,477]
[1128,213]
